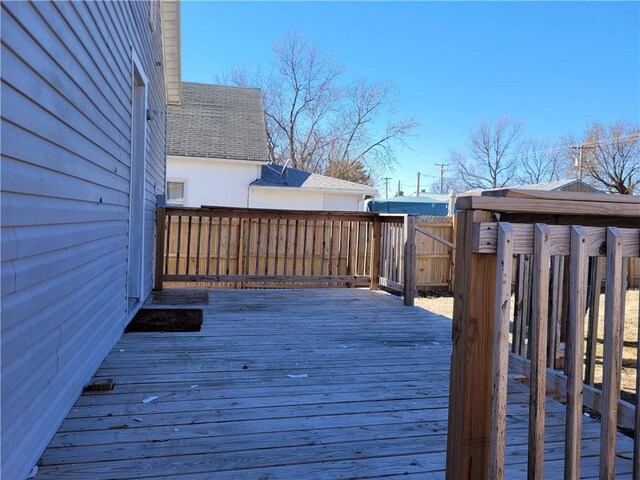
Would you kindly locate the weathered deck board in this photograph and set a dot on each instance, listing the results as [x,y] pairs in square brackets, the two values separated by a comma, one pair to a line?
[373,403]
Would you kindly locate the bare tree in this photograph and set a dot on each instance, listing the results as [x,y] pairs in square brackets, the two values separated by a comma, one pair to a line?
[611,156]
[313,118]
[352,172]
[448,184]
[539,162]
[491,157]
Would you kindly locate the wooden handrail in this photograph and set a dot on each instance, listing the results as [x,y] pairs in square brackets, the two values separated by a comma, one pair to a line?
[259,247]
[485,258]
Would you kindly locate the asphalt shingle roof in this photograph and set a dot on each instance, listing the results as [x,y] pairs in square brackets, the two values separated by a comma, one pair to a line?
[218,121]
[272,177]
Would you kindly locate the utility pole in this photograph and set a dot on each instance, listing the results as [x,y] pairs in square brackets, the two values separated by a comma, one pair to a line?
[418,186]
[399,188]
[442,170]
[579,161]
[386,186]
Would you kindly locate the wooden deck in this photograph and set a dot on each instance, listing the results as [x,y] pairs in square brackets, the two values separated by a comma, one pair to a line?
[289,384]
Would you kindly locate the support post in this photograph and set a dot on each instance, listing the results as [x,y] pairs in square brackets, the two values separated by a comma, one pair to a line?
[160,238]
[376,235]
[471,387]
[409,264]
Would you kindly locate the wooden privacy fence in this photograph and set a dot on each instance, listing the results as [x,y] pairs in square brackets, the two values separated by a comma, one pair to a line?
[488,253]
[250,248]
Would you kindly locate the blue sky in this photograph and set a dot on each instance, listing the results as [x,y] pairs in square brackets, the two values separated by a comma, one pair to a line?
[555,66]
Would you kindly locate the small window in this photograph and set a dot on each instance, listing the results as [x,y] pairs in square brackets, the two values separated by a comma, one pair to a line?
[175,193]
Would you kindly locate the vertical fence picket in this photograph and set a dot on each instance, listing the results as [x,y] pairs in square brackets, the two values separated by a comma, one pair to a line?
[501,350]
[228,249]
[168,245]
[178,245]
[277,252]
[198,245]
[611,362]
[295,249]
[188,259]
[575,352]
[538,344]
[596,276]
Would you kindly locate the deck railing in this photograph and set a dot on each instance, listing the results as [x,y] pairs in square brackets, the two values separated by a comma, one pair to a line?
[488,253]
[259,247]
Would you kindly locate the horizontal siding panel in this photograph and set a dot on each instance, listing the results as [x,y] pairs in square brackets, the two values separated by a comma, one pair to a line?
[23,304]
[63,19]
[25,178]
[66,127]
[35,68]
[26,242]
[62,391]
[26,210]
[32,270]
[27,333]
[22,144]
[64,112]
[63,44]
[20,110]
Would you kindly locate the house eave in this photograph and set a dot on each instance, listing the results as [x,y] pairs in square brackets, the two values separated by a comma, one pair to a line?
[316,189]
[170,14]
[234,161]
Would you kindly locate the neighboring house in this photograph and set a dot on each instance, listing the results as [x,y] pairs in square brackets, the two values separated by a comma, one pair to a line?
[290,188]
[83,100]
[426,204]
[217,154]
[571,185]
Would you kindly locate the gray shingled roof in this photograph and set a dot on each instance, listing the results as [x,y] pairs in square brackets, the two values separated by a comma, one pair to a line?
[217,121]
[272,177]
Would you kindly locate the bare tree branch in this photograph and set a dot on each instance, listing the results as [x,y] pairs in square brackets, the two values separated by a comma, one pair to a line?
[319,123]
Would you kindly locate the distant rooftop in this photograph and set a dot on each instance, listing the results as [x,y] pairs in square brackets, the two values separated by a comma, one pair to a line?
[272,177]
[557,185]
[218,121]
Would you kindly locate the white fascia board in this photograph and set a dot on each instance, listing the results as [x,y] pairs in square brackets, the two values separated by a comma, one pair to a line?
[316,189]
[220,160]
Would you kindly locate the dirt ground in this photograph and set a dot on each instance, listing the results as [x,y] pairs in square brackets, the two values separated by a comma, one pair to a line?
[443,305]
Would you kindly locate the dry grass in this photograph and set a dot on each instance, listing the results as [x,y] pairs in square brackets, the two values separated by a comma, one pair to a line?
[444,306]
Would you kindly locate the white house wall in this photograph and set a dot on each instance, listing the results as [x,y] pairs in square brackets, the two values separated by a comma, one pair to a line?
[213,182]
[301,199]
[66,130]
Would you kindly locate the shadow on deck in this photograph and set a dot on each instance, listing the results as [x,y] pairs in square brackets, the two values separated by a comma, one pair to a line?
[289,384]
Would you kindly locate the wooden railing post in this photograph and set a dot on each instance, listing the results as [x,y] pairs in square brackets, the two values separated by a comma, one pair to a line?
[409,263]
[471,388]
[376,236]
[160,227]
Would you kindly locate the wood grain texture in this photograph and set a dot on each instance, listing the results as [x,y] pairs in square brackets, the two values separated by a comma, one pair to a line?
[471,386]
[501,350]
[595,281]
[373,403]
[552,205]
[485,239]
[575,351]
[409,260]
[612,364]
[538,348]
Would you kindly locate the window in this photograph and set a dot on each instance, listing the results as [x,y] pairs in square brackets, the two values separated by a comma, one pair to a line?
[175,192]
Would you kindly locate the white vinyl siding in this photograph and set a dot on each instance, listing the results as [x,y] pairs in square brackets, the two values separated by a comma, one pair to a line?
[66,131]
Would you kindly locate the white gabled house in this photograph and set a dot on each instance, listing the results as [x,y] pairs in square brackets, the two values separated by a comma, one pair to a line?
[83,102]
[217,154]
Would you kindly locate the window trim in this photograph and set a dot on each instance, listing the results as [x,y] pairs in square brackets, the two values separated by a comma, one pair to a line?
[184,191]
